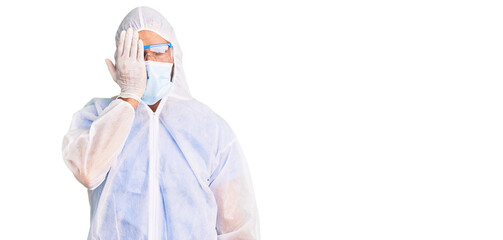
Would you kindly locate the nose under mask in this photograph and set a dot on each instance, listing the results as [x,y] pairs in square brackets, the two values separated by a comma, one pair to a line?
[158,81]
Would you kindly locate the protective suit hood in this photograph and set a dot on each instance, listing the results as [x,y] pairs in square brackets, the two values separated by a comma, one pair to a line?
[146,18]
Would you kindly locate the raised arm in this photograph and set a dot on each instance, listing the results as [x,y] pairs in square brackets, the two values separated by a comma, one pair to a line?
[95,139]
[90,149]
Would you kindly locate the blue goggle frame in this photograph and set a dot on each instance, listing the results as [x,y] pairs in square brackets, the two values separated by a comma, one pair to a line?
[157,45]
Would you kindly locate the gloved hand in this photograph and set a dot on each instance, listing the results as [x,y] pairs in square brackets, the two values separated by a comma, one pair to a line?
[129,71]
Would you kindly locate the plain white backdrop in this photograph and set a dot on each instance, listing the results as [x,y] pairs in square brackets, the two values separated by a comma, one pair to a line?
[359,119]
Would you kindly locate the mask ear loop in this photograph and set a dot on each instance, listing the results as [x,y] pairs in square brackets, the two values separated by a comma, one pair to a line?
[171,48]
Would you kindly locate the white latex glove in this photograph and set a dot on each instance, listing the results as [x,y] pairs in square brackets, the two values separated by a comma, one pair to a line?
[129,72]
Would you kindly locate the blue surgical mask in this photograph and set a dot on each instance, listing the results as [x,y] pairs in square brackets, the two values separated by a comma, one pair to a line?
[158,81]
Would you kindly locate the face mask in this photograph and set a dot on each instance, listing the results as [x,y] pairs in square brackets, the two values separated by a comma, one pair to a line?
[158,81]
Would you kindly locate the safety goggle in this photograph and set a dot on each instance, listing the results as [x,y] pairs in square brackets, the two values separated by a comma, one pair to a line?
[158,48]
[159,52]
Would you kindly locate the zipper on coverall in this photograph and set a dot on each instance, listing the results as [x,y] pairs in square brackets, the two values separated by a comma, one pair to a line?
[153,225]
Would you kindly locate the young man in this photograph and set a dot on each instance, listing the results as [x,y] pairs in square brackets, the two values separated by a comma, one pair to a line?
[158,164]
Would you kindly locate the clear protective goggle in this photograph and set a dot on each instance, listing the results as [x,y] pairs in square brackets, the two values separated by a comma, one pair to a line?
[160,51]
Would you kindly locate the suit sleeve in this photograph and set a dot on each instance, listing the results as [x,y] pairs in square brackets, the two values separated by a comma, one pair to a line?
[237,216]
[95,139]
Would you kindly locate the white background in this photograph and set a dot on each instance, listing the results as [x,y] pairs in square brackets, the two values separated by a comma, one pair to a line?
[359,119]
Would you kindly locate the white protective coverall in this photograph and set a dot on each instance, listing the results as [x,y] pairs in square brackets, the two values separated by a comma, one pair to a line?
[176,173]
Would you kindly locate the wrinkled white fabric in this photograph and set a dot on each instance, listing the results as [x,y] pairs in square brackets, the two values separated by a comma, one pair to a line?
[89,148]
[178,173]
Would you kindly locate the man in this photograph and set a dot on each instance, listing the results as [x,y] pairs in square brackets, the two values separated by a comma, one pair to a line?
[158,164]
